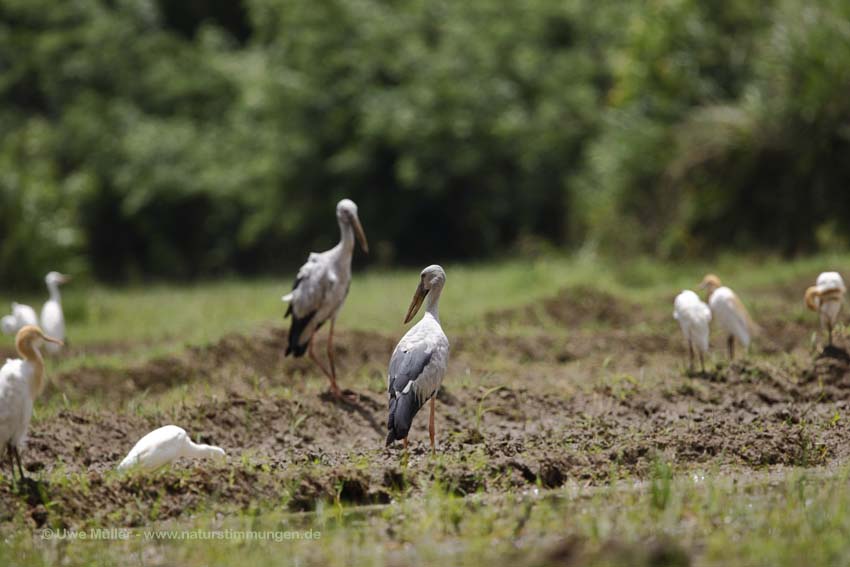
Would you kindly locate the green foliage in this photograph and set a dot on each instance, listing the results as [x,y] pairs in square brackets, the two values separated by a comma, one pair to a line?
[145,138]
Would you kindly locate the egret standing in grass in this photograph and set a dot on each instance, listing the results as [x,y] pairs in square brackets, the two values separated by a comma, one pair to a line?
[21,381]
[694,317]
[165,445]
[729,313]
[22,315]
[52,316]
[827,297]
[320,289]
[419,362]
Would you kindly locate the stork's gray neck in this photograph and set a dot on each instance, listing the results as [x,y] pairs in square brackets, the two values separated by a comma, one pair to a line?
[432,302]
[53,290]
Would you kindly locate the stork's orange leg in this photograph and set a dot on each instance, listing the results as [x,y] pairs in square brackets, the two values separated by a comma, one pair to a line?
[701,363]
[431,423]
[405,443]
[690,355]
[731,344]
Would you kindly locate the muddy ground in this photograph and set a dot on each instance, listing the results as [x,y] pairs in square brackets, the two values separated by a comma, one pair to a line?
[579,387]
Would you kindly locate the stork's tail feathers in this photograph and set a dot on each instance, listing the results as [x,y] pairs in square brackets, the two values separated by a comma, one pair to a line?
[403,408]
[812,295]
[296,330]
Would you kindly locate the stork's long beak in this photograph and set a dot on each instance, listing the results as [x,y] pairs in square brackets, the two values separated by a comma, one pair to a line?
[63,278]
[361,236]
[416,303]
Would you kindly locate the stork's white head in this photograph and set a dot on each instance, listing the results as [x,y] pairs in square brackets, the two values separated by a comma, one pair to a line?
[431,278]
[56,278]
[346,213]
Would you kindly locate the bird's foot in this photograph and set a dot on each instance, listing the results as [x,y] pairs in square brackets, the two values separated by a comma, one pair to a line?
[348,396]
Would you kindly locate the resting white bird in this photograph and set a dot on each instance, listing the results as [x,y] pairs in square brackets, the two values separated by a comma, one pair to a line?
[21,381]
[729,313]
[827,297]
[694,317]
[419,362]
[22,315]
[52,317]
[320,289]
[165,445]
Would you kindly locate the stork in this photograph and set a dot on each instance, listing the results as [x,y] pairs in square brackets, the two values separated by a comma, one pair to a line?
[320,289]
[729,313]
[418,363]
[827,297]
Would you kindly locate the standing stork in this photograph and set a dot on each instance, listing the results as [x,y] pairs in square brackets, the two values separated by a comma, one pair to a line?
[320,289]
[419,362]
[827,297]
[729,312]
[693,316]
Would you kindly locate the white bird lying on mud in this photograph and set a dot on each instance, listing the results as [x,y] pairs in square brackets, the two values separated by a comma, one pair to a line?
[419,362]
[52,317]
[320,289]
[694,317]
[22,315]
[21,381]
[827,297]
[729,313]
[165,445]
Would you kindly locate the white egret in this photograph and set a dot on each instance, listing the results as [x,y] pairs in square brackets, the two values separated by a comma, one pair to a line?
[21,381]
[694,317]
[320,289]
[21,316]
[729,313]
[52,317]
[419,361]
[827,297]
[165,445]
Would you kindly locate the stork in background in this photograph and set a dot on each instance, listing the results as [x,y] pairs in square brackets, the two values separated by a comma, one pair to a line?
[729,313]
[827,297]
[320,289]
[419,361]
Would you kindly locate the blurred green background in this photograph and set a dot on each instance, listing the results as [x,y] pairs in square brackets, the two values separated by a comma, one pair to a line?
[184,139]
